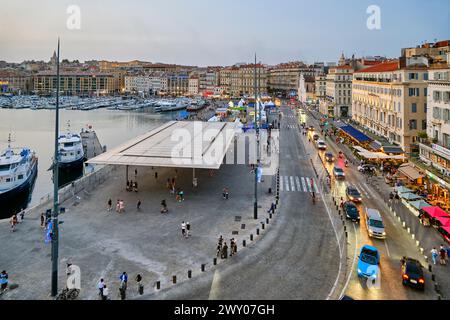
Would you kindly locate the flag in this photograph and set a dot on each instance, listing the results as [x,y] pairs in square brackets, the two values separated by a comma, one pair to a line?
[259,174]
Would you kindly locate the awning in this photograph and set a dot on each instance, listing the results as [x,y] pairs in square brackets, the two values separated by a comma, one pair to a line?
[444,221]
[393,150]
[410,196]
[375,145]
[402,189]
[420,204]
[355,134]
[435,212]
[409,171]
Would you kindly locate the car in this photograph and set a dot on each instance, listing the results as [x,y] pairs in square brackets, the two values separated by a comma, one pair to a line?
[351,211]
[368,262]
[329,157]
[353,194]
[374,224]
[412,273]
[311,128]
[338,172]
[316,136]
[367,168]
[321,145]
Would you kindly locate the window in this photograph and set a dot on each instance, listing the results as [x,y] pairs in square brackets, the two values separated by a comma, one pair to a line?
[413,76]
[437,113]
[425,76]
[424,125]
[425,92]
[425,107]
[20,177]
[414,108]
[413,124]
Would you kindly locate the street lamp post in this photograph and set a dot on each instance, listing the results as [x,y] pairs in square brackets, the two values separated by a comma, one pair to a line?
[255,205]
[55,234]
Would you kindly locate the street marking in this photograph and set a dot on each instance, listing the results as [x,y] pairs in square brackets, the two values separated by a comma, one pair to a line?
[281,183]
[387,248]
[353,264]
[304,185]
[292,184]
[287,185]
[297,180]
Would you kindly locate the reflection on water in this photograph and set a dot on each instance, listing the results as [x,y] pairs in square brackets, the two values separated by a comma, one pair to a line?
[35,129]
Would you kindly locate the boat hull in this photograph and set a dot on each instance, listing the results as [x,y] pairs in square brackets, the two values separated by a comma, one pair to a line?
[14,200]
[69,172]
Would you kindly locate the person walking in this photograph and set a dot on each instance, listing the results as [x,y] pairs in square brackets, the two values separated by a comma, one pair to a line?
[123,285]
[164,206]
[225,251]
[183,229]
[42,220]
[219,246]
[118,206]
[138,205]
[272,208]
[140,286]
[12,222]
[3,281]
[109,205]
[225,193]
[434,255]
[232,247]
[156,175]
[188,229]
[101,286]
[442,255]
[105,293]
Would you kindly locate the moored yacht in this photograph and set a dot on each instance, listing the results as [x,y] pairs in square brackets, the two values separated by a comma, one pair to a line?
[71,153]
[18,171]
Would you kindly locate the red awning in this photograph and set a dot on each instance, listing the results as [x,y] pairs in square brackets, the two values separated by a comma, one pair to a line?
[435,212]
[444,221]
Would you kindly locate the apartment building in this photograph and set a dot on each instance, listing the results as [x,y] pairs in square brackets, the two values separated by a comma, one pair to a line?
[16,81]
[306,88]
[76,83]
[390,99]
[321,93]
[193,85]
[177,83]
[437,50]
[338,93]
[283,79]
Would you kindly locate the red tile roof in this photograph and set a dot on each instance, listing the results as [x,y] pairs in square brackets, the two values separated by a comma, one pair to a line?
[382,67]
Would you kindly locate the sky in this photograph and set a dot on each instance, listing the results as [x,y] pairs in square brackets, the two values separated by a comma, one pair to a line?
[217,32]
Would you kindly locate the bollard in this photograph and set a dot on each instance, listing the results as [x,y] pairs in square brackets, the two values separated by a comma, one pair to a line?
[433,277]
[426,258]
[174,279]
[430,268]
[421,250]
[408,230]
[270,216]
[244,244]
[345,228]
[439,297]
[263,226]
[343,222]
[346,234]
[189,274]
[267,220]
[215,261]
[413,236]
[436,287]
[203,267]
[270,190]
[251,237]
[257,232]
[404,224]
[158,285]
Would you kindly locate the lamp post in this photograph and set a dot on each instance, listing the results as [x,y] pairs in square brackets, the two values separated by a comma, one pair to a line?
[55,191]
[255,205]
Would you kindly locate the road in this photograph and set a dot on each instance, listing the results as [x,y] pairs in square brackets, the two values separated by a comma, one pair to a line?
[298,258]
[397,244]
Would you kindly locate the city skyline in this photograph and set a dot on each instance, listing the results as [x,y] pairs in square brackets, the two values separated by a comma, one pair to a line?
[220,35]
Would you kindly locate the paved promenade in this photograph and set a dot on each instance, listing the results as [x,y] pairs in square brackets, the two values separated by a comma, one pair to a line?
[104,244]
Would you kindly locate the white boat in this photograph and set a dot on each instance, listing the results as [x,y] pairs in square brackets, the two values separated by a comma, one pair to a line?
[18,171]
[71,153]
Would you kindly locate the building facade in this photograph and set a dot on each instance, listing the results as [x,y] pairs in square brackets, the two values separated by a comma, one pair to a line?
[338,100]
[390,99]
[193,85]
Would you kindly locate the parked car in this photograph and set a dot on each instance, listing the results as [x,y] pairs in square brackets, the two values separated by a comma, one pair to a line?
[351,212]
[338,172]
[368,262]
[412,273]
[321,145]
[367,168]
[374,224]
[329,157]
[353,194]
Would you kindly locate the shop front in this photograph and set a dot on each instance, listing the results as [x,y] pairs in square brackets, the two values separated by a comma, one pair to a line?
[438,191]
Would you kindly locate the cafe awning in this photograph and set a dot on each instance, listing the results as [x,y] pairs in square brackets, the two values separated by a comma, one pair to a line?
[444,221]
[402,189]
[435,212]
[409,171]
[410,196]
[355,134]
[420,204]
[393,150]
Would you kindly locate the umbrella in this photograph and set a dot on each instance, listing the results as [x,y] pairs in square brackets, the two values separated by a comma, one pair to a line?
[403,190]
[419,204]
[410,196]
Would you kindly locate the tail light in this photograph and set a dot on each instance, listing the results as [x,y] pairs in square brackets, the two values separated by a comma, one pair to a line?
[405,277]
[421,280]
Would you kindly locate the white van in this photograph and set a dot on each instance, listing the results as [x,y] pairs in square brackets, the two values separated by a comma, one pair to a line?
[374,224]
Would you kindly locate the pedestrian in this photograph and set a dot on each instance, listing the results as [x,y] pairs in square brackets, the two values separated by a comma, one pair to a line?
[183,229]
[128,185]
[123,280]
[272,208]
[156,175]
[140,286]
[12,221]
[181,195]
[135,173]
[442,254]
[434,255]
[397,197]
[164,206]
[138,206]
[3,281]
[188,229]
[109,205]
[22,215]
[225,251]
[105,293]
[101,286]
[169,185]
[391,196]
[225,193]
[135,186]
[118,206]
[42,220]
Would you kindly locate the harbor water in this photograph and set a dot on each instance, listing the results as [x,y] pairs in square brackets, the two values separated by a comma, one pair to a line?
[35,129]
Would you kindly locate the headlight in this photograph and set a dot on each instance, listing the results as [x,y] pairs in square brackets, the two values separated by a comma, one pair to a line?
[351,198]
[371,232]
[384,233]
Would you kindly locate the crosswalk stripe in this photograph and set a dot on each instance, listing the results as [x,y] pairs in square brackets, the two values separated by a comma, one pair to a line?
[292,184]
[297,180]
[287,184]
[309,185]
[281,183]
[304,185]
